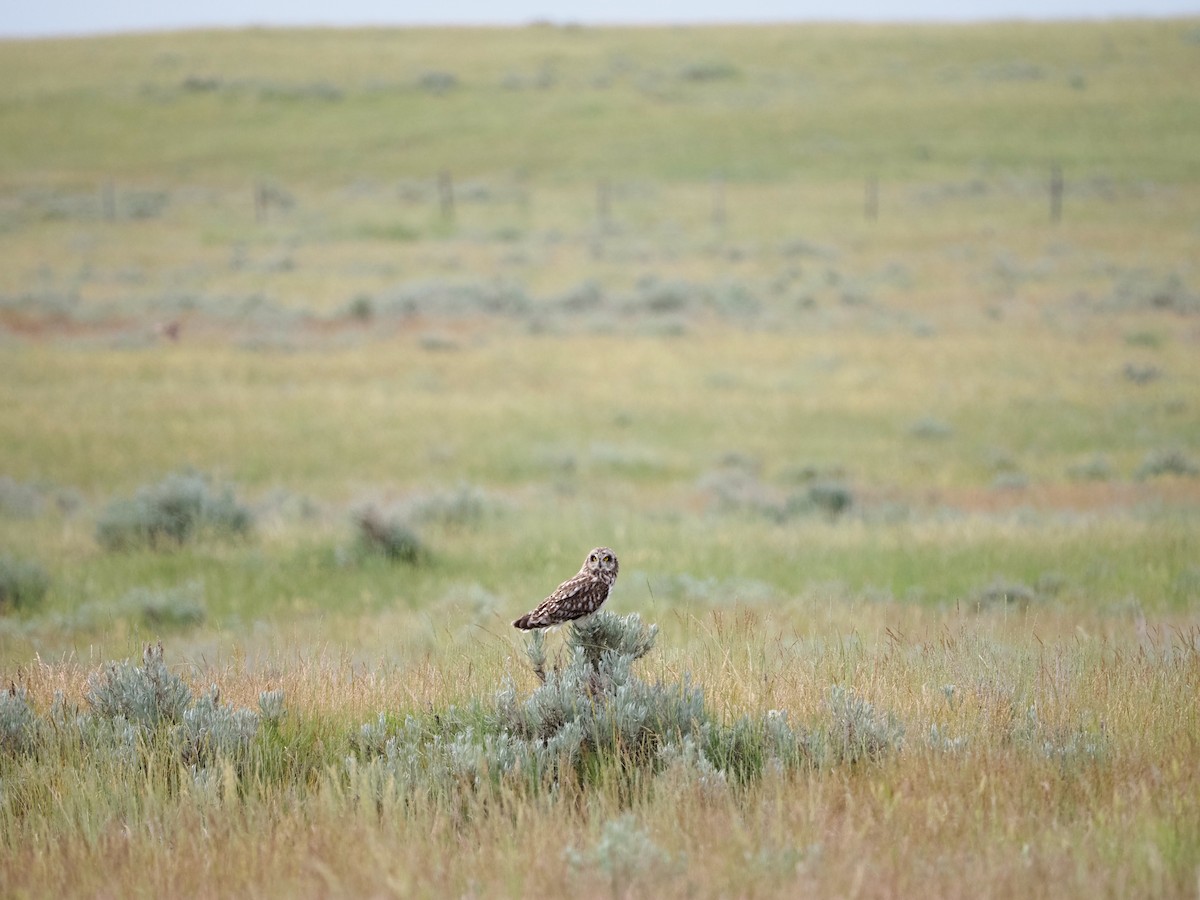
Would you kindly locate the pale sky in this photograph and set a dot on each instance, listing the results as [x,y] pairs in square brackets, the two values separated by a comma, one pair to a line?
[69,17]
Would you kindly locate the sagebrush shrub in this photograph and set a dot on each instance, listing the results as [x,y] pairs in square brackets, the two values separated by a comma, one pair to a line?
[1068,747]
[175,607]
[18,722]
[271,708]
[1167,462]
[23,584]
[856,731]
[1002,592]
[462,505]
[177,509]
[19,500]
[832,497]
[210,729]
[622,852]
[145,695]
[392,538]
[591,714]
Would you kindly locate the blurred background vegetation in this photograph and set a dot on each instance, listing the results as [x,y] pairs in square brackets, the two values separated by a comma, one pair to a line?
[904,312]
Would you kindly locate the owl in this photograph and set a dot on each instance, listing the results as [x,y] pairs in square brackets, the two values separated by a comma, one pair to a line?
[576,597]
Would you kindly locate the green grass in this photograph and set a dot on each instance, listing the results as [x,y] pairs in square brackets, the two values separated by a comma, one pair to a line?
[821,100]
[1008,404]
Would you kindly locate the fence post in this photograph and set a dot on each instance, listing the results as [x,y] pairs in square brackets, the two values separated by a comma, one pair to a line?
[1056,193]
[446,194]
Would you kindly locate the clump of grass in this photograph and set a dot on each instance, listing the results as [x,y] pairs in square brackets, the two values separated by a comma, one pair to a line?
[390,537]
[23,584]
[178,509]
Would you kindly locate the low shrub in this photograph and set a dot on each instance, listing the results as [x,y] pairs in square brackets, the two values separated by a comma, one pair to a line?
[146,696]
[708,70]
[210,730]
[462,505]
[1167,462]
[437,82]
[831,497]
[1001,592]
[392,538]
[734,490]
[172,512]
[23,584]
[1097,467]
[150,707]
[175,607]
[622,852]
[855,731]
[19,500]
[593,717]
[18,722]
[931,428]
[146,717]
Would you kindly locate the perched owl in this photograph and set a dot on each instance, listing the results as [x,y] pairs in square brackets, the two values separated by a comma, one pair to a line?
[579,596]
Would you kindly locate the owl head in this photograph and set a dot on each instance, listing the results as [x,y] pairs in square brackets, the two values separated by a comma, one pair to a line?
[602,563]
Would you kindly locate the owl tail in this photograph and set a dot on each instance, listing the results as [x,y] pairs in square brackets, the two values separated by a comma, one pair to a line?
[525,623]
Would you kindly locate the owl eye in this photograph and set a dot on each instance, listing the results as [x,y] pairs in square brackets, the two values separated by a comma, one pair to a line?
[607,558]
[592,558]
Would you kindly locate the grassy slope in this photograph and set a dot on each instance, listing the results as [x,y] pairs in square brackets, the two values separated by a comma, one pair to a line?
[818,101]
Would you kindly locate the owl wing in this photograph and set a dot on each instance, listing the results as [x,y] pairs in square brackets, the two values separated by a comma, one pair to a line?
[573,598]
[572,587]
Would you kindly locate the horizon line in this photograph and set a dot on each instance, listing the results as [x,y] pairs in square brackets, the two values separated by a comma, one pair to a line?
[568,24]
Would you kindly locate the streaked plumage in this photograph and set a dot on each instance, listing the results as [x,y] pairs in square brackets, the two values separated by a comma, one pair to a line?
[576,597]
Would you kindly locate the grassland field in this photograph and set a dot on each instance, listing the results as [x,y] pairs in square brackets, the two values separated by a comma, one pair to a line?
[785,315]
